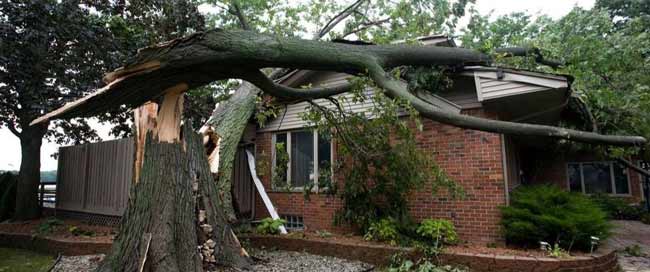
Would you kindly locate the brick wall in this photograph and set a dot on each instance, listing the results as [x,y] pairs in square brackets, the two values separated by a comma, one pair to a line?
[472,158]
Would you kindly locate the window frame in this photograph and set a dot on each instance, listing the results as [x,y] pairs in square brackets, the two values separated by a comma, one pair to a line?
[315,134]
[612,179]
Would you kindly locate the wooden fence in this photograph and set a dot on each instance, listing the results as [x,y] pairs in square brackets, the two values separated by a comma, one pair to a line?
[95,178]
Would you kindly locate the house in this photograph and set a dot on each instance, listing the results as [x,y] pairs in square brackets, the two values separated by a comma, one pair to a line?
[487,165]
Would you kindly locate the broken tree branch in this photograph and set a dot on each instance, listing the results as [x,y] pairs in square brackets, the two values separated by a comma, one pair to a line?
[220,54]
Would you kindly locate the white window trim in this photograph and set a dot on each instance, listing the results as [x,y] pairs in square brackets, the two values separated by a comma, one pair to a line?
[316,166]
[612,180]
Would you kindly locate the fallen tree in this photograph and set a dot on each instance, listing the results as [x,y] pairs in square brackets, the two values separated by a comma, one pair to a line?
[164,228]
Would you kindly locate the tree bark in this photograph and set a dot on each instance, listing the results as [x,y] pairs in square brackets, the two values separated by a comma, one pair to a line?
[228,123]
[172,214]
[29,176]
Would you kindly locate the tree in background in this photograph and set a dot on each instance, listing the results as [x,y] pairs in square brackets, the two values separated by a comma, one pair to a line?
[55,52]
[52,53]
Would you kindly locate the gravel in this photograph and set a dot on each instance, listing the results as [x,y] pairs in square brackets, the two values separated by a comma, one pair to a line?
[83,263]
[267,261]
[299,261]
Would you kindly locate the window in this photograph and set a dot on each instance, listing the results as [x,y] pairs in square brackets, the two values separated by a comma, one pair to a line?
[294,222]
[308,152]
[598,177]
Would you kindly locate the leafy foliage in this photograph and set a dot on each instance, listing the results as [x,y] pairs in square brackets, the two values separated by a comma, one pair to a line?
[77,231]
[383,230]
[400,264]
[438,231]
[387,164]
[605,49]
[49,225]
[548,213]
[617,208]
[270,226]
[279,177]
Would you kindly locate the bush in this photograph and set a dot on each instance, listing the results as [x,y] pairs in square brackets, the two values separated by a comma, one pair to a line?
[617,208]
[548,213]
[47,226]
[270,226]
[383,230]
[438,231]
[8,183]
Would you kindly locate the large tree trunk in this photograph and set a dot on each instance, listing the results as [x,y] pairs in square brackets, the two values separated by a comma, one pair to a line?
[175,219]
[29,176]
[173,216]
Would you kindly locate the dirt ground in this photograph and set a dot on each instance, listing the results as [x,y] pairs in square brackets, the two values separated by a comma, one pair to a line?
[94,233]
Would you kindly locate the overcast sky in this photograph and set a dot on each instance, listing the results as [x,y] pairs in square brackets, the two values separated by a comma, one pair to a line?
[10,145]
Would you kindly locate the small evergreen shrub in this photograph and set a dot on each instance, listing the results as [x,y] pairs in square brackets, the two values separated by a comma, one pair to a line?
[617,208]
[548,213]
[270,226]
[438,231]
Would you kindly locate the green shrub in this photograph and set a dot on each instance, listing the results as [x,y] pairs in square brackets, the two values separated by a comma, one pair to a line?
[438,231]
[548,213]
[77,231]
[270,226]
[47,226]
[8,183]
[383,230]
[617,208]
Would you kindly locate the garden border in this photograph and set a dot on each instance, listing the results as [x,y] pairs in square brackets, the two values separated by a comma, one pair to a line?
[373,254]
[53,246]
[380,255]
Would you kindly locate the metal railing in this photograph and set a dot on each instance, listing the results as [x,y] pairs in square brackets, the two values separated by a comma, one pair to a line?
[47,194]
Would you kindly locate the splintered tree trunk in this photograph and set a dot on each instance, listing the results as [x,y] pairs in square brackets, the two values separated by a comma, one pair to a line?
[225,129]
[175,219]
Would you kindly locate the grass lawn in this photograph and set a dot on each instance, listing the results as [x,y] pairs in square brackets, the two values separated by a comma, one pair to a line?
[18,260]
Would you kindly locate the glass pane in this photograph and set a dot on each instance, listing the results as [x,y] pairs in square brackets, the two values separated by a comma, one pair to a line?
[324,153]
[574,177]
[280,142]
[597,177]
[302,158]
[620,179]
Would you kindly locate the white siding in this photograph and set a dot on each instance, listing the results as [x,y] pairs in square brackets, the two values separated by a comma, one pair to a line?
[489,86]
[291,119]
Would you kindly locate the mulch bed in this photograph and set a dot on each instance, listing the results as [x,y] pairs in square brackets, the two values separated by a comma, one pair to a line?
[101,234]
